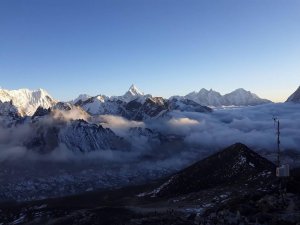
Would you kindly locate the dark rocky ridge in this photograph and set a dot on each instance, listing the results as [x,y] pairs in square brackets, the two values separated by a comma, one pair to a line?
[40,111]
[236,165]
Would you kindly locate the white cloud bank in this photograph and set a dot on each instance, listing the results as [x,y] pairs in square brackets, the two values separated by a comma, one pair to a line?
[201,132]
[252,126]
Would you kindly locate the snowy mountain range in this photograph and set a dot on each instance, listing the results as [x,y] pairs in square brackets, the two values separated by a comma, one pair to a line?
[77,125]
[136,100]
[27,101]
[132,103]
[135,105]
[239,97]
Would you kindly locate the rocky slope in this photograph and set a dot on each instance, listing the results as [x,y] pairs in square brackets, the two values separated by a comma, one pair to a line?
[226,202]
[75,135]
[295,97]
[236,165]
[80,136]
[9,114]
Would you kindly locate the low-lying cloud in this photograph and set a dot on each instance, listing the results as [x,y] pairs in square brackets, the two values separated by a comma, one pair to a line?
[118,124]
[253,126]
[200,132]
[75,113]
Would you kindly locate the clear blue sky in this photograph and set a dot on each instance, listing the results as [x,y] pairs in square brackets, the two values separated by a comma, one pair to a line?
[165,47]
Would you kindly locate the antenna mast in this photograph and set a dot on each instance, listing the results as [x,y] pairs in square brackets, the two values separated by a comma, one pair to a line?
[277,122]
[278,142]
[282,170]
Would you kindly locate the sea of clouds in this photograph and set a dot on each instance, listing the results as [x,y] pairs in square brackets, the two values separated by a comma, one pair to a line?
[199,132]
[196,135]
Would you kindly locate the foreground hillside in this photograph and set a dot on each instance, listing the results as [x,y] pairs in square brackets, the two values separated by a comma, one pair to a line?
[224,199]
[235,166]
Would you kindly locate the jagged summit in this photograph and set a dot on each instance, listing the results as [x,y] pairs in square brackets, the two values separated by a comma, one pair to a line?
[242,97]
[238,97]
[134,90]
[27,101]
[132,94]
[295,97]
[206,97]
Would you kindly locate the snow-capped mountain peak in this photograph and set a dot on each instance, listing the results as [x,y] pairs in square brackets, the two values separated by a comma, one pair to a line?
[133,90]
[132,94]
[27,101]
[81,97]
[239,97]
[101,98]
[242,91]
[206,97]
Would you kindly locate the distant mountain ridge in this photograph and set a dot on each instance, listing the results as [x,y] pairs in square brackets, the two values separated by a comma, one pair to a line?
[239,97]
[28,101]
[135,105]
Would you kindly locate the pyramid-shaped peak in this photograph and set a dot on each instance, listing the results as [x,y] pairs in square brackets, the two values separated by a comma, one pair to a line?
[235,165]
[237,148]
[134,90]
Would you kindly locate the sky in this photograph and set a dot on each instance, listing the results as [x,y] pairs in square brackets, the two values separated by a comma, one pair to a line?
[165,47]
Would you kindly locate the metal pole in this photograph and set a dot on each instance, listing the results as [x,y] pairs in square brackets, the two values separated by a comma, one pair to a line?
[278,143]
